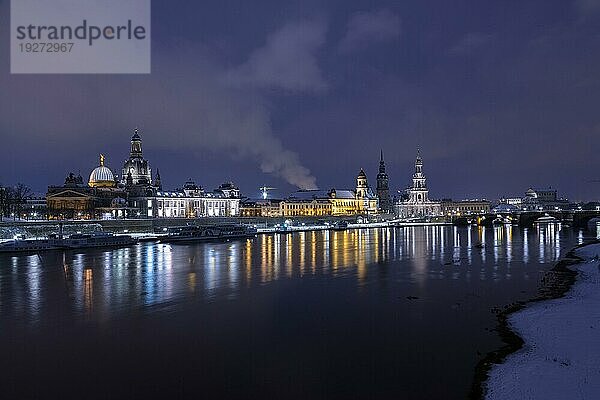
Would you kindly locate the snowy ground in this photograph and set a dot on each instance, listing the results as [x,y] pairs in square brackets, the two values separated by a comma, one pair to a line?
[561,355]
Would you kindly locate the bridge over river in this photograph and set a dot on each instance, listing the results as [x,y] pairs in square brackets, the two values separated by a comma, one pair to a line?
[575,218]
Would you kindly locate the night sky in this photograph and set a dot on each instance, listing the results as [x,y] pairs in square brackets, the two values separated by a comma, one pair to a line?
[499,96]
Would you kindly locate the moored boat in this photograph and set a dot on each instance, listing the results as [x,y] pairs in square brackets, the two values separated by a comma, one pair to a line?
[339,226]
[97,239]
[29,245]
[186,234]
[75,241]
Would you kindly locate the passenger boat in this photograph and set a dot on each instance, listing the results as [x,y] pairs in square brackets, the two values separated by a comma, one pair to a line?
[339,226]
[29,245]
[97,239]
[185,234]
[76,241]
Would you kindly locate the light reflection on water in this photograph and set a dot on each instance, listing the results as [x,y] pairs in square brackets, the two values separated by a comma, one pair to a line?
[101,282]
[322,307]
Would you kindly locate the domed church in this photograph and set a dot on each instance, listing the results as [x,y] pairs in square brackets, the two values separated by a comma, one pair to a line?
[136,168]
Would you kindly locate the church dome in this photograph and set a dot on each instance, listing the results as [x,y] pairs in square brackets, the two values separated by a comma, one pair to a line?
[102,176]
[531,193]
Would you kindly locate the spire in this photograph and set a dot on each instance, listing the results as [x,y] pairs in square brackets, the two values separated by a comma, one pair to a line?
[157,182]
[102,160]
[381,163]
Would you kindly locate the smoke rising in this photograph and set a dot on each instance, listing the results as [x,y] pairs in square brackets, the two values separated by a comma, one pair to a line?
[182,105]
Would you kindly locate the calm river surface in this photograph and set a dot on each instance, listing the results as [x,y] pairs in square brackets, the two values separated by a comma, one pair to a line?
[372,313]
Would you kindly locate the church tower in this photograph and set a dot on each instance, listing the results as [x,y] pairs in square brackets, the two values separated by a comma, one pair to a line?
[136,166]
[383,190]
[136,145]
[419,193]
[362,186]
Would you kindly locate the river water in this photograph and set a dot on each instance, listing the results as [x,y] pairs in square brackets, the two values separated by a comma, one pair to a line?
[373,313]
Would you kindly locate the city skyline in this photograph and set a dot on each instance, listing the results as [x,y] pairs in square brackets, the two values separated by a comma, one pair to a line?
[491,100]
[395,192]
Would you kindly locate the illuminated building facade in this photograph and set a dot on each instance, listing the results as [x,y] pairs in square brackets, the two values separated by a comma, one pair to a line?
[101,197]
[465,207]
[136,194]
[293,207]
[260,208]
[543,199]
[417,203]
[193,202]
[332,202]
[365,201]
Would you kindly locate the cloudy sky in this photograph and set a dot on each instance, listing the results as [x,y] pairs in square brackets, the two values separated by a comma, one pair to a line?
[499,96]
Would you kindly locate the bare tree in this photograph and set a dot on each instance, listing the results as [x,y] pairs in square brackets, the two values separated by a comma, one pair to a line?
[4,203]
[17,198]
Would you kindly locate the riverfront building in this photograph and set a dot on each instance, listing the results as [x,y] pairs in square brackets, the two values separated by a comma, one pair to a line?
[543,200]
[538,200]
[338,202]
[260,207]
[465,207]
[137,194]
[416,203]
[332,202]
[100,197]
[192,202]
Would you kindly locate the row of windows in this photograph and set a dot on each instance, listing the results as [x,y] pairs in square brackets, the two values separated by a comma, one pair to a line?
[196,204]
[303,206]
[182,213]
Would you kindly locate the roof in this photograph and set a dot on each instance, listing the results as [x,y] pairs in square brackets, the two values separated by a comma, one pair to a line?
[344,194]
[309,195]
[101,174]
[505,208]
[135,136]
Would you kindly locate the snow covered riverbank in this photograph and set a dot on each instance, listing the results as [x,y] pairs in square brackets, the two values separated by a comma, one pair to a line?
[561,355]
